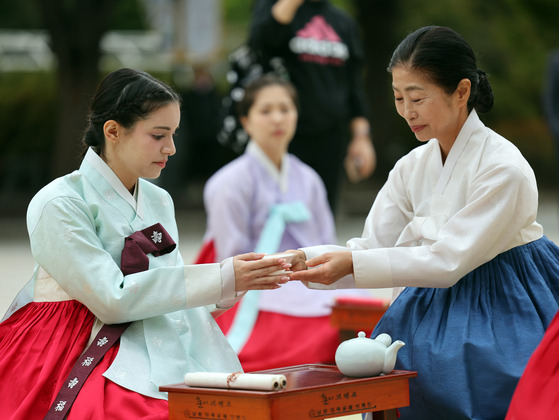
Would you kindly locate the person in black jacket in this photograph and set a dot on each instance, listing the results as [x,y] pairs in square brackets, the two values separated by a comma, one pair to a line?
[322,52]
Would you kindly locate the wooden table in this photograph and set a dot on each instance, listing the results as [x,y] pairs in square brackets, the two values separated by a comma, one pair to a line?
[313,392]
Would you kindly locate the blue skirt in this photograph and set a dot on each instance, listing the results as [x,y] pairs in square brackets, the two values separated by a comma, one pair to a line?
[470,343]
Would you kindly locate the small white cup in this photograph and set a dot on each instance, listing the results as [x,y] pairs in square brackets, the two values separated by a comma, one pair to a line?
[287,256]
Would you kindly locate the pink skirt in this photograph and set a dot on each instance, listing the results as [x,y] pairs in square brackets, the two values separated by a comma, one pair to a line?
[39,345]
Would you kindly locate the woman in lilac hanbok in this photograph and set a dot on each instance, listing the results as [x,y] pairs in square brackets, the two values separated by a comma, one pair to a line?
[267,200]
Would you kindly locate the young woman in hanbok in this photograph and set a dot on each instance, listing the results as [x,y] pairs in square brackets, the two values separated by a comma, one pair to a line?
[264,201]
[455,228]
[111,310]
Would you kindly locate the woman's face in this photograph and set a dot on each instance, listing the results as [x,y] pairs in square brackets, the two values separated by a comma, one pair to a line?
[429,111]
[272,118]
[143,150]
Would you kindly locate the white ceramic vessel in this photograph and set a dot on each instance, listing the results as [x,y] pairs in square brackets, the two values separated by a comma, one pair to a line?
[362,356]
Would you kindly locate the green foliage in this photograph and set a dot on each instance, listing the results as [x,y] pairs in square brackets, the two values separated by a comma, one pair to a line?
[128,15]
[346,5]
[23,14]
[26,14]
[512,39]
[27,113]
[237,11]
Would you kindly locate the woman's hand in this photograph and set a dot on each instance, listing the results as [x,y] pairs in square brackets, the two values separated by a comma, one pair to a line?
[284,10]
[330,267]
[361,159]
[252,272]
[298,261]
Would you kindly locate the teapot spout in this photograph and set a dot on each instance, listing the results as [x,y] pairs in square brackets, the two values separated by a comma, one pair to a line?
[390,356]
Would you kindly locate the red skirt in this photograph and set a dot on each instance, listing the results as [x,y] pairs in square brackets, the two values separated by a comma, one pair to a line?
[39,345]
[536,395]
[279,340]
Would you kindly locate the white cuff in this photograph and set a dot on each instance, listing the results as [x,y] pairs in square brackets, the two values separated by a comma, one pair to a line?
[229,296]
[372,269]
[203,284]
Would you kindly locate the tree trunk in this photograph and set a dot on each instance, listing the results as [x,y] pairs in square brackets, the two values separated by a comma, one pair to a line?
[376,19]
[75,28]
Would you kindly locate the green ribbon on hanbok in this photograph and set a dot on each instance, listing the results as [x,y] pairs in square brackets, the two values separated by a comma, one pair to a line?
[268,243]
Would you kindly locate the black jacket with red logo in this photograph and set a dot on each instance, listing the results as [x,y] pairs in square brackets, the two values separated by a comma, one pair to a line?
[322,52]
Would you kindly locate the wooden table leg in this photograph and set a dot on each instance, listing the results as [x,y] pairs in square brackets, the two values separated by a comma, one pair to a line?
[385,415]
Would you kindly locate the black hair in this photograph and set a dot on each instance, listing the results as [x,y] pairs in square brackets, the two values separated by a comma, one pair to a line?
[445,58]
[255,86]
[125,96]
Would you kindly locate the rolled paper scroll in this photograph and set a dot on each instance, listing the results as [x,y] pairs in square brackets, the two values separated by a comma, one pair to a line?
[237,380]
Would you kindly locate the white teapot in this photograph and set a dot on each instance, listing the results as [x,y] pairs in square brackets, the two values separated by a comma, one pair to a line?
[362,356]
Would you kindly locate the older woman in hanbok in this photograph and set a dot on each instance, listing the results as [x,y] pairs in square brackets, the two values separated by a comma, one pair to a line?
[455,228]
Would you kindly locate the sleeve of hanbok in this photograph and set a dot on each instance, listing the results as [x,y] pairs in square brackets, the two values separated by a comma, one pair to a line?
[388,216]
[65,243]
[500,202]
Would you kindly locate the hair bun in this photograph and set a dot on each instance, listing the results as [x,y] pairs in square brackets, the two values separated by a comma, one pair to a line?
[484,97]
